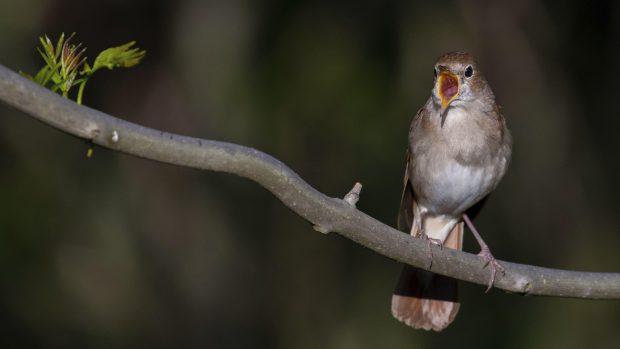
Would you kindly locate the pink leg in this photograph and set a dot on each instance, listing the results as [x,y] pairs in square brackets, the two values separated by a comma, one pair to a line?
[485,252]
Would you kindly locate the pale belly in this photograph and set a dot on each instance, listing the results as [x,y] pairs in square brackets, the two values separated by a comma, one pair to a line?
[451,187]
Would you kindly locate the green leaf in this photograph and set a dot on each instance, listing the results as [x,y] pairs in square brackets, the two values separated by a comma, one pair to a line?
[64,60]
[43,76]
[121,56]
[48,50]
[87,69]
[45,57]
[59,44]
[57,78]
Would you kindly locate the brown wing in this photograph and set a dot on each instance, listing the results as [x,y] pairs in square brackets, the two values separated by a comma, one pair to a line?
[405,211]
[407,201]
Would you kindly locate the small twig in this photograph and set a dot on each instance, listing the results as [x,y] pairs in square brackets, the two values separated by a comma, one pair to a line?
[353,195]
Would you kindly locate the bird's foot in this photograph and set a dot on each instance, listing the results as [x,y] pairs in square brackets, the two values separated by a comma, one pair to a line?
[485,253]
[429,241]
[493,264]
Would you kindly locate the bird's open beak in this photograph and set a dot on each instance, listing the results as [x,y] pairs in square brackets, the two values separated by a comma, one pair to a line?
[448,86]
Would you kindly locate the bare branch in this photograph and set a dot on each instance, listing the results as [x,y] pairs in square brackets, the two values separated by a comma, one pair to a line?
[326,214]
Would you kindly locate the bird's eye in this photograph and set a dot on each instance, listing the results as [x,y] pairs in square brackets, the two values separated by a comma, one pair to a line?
[435,72]
[469,71]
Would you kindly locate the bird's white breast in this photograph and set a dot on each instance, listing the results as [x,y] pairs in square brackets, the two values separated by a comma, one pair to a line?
[455,187]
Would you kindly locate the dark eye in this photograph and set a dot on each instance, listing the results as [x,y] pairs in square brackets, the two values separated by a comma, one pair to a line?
[469,71]
[435,72]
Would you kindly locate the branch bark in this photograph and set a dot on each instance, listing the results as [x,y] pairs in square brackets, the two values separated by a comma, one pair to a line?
[327,214]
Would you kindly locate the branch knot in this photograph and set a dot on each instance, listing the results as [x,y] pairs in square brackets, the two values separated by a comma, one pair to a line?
[353,195]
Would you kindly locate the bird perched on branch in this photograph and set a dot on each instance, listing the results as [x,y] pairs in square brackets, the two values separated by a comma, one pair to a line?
[459,149]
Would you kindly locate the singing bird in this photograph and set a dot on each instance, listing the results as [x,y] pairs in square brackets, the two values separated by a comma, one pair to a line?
[459,149]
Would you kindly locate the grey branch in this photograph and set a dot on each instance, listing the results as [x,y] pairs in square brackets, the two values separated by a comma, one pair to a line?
[325,213]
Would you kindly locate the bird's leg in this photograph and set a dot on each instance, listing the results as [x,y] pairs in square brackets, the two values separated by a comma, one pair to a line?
[485,252]
[429,240]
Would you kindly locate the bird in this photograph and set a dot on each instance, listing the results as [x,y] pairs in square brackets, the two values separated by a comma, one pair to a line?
[459,149]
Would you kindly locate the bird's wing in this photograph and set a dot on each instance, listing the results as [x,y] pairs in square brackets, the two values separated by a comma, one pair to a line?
[405,211]
[407,201]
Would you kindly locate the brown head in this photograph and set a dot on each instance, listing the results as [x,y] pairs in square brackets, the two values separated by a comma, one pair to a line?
[459,81]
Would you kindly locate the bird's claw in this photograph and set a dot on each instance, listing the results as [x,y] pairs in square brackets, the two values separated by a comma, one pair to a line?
[429,241]
[493,264]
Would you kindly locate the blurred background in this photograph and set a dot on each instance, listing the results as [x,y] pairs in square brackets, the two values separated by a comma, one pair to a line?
[120,252]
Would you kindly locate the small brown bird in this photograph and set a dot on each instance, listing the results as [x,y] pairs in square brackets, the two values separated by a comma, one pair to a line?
[459,149]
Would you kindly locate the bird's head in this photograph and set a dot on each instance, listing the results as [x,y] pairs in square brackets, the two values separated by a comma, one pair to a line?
[458,81]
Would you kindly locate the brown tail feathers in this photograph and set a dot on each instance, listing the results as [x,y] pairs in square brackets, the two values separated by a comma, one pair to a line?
[426,300]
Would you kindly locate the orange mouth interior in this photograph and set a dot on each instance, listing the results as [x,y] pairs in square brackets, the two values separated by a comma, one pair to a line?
[448,88]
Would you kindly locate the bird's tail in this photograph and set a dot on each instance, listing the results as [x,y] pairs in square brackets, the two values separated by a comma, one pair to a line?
[426,300]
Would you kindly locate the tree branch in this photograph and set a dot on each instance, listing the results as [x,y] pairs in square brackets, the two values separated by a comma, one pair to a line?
[325,213]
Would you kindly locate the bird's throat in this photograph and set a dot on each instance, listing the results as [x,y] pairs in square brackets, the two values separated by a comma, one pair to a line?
[442,114]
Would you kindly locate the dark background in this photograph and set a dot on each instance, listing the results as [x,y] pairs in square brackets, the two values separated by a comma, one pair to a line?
[119,252]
